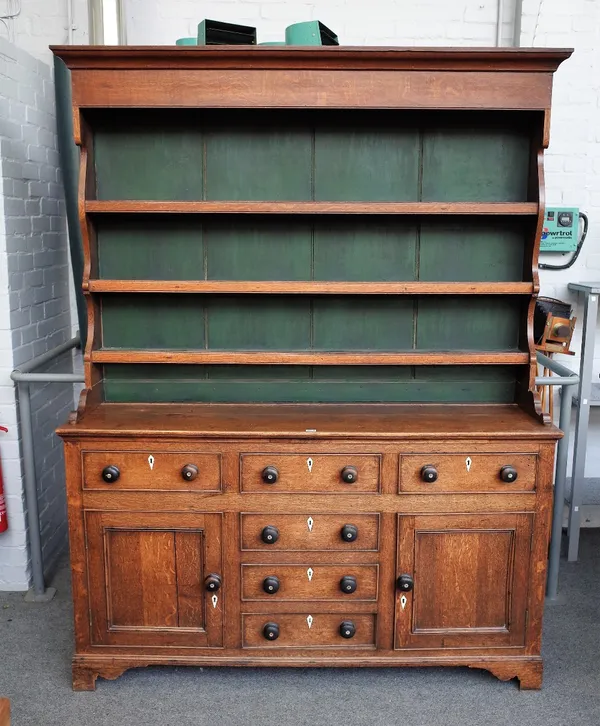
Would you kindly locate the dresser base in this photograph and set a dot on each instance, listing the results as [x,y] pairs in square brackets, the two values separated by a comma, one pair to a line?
[86,669]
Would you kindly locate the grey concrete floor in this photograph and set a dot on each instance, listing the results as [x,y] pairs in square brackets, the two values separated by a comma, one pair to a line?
[35,651]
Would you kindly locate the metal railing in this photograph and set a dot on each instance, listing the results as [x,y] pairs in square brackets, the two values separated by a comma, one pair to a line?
[23,376]
[566,379]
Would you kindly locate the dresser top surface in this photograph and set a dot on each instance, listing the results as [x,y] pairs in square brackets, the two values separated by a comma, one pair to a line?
[388,421]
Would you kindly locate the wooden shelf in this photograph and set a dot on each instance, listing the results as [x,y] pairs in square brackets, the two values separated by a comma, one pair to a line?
[469,208]
[294,287]
[224,357]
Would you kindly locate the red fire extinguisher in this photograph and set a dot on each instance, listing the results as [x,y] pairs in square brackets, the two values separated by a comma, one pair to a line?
[3,516]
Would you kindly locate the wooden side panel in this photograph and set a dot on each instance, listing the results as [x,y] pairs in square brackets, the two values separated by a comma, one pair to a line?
[141,580]
[190,568]
[467,589]
[146,574]
[470,580]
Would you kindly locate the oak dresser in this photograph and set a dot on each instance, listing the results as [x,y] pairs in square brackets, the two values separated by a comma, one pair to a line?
[309,434]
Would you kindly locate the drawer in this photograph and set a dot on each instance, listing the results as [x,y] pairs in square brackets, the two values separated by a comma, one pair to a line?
[159,471]
[309,582]
[467,473]
[321,630]
[310,474]
[306,532]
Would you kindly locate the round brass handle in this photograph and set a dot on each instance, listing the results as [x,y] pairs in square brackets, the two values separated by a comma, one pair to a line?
[271,631]
[508,474]
[349,474]
[270,475]
[189,472]
[110,474]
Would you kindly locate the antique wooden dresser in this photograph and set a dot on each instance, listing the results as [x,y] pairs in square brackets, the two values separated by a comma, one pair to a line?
[309,434]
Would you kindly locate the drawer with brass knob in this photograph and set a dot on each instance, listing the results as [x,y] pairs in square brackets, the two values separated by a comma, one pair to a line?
[309,630]
[310,532]
[310,473]
[309,582]
[468,472]
[151,471]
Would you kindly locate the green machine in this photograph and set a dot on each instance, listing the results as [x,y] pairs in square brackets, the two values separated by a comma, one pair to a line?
[561,233]
[561,229]
[186,41]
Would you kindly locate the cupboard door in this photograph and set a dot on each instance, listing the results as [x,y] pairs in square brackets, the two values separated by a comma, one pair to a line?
[470,575]
[147,579]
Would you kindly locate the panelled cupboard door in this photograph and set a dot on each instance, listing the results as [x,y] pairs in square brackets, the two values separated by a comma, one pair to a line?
[470,575]
[147,578]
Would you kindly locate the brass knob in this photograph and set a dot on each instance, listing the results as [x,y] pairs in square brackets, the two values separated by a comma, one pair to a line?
[189,472]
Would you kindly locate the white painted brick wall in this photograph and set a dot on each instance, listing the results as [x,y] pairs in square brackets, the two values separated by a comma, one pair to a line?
[35,311]
[42,23]
[380,22]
